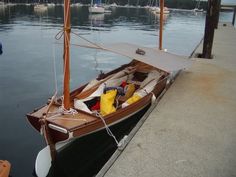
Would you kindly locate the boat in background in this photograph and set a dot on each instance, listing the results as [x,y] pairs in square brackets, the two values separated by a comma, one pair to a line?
[51,4]
[96,7]
[5,167]
[198,10]
[197,7]
[40,7]
[76,5]
[113,5]
[158,10]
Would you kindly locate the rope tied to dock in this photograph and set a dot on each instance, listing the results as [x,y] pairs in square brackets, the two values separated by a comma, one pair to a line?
[109,132]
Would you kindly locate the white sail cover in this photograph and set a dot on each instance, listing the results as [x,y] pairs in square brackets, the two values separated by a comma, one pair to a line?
[155,57]
[160,59]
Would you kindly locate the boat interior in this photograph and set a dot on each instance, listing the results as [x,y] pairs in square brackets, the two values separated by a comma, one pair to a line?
[105,96]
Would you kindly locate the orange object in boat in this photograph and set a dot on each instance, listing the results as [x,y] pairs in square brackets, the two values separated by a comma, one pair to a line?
[4,168]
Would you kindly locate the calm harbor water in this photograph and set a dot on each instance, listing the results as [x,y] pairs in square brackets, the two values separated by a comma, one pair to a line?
[27,64]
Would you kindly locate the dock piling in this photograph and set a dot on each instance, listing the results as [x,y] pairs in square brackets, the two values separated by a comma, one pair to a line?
[210,24]
[217,13]
[233,21]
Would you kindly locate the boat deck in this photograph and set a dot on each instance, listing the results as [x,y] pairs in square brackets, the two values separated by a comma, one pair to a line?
[192,130]
[68,122]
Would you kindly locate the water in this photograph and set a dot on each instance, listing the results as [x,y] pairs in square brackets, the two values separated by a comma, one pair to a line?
[29,47]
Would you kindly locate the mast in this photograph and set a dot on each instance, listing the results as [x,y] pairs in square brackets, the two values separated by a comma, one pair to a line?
[161,23]
[66,56]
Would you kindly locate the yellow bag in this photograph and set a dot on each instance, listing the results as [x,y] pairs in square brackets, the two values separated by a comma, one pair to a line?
[130,91]
[133,99]
[106,103]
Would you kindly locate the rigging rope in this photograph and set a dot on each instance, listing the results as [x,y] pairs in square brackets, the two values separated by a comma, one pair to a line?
[64,111]
[59,35]
[54,68]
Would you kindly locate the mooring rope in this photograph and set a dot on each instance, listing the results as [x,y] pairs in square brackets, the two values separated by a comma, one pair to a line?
[109,132]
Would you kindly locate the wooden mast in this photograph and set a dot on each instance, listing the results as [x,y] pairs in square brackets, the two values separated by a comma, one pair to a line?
[67,29]
[161,4]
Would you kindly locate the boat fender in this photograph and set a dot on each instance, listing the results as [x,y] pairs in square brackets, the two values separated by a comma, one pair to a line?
[153,98]
[123,142]
[0,48]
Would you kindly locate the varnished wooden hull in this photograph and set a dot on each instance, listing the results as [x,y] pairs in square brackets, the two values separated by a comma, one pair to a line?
[64,127]
[97,125]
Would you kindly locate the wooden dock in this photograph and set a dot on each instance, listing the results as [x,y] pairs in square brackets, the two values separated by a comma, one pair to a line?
[192,131]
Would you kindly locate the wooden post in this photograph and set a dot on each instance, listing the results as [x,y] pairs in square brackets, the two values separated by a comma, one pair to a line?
[209,29]
[161,23]
[218,13]
[67,29]
[233,22]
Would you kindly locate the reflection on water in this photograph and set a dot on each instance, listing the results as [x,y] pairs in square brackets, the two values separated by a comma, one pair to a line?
[26,65]
[96,19]
[165,16]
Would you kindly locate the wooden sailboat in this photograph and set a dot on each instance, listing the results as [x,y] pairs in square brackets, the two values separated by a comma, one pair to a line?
[110,99]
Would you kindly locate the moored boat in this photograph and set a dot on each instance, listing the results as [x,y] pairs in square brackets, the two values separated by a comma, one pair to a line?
[105,101]
[40,7]
[198,10]
[157,10]
[96,7]
[197,7]
[166,10]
